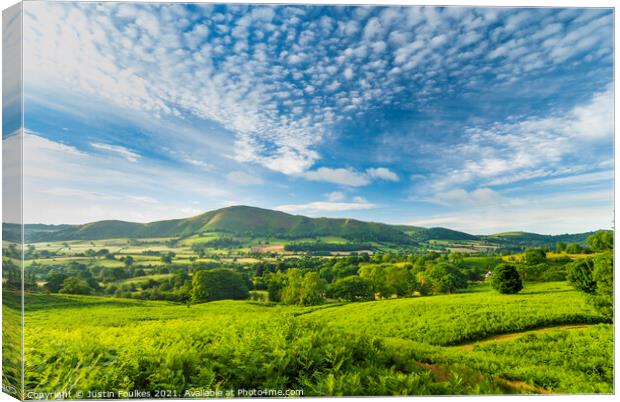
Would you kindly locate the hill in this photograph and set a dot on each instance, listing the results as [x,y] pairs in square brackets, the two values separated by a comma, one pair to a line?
[237,220]
[259,222]
[535,239]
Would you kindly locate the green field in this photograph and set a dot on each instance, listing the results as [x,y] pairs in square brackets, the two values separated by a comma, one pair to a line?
[389,347]
[219,305]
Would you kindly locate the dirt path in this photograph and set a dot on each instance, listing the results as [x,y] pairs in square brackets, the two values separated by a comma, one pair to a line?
[442,373]
[515,335]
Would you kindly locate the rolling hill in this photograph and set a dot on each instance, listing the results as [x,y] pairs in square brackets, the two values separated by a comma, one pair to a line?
[533,239]
[259,222]
[237,220]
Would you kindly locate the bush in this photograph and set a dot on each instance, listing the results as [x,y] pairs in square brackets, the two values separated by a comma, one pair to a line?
[580,276]
[506,279]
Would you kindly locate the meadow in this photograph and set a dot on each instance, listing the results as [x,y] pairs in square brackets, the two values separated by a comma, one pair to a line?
[222,313]
[431,345]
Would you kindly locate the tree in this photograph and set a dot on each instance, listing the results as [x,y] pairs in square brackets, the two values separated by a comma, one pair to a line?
[103,251]
[574,248]
[506,279]
[292,291]
[399,280]
[601,240]
[76,286]
[352,288]
[423,284]
[445,278]
[55,280]
[312,290]
[166,258]
[580,275]
[603,275]
[275,284]
[218,284]
[560,247]
[375,274]
[128,261]
[533,256]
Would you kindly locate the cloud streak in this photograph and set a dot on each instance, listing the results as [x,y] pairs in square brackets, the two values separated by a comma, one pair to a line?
[118,150]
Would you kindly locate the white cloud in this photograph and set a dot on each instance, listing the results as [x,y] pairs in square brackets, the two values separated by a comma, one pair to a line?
[244,178]
[203,165]
[335,196]
[334,203]
[351,177]
[382,173]
[348,73]
[345,177]
[528,149]
[63,184]
[131,156]
[581,179]
[460,197]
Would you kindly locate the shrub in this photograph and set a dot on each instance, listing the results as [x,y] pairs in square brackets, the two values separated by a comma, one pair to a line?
[580,276]
[506,279]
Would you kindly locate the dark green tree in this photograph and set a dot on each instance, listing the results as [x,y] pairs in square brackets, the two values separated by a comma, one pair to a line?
[506,279]
[218,284]
[75,286]
[445,278]
[55,281]
[352,288]
[128,261]
[533,256]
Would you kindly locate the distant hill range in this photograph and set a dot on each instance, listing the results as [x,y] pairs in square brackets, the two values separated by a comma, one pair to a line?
[258,222]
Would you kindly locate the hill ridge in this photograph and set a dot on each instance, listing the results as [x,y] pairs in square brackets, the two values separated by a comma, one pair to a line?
[256,221]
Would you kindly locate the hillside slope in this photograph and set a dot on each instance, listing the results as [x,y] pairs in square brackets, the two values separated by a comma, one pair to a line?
[237,220]
[259,222]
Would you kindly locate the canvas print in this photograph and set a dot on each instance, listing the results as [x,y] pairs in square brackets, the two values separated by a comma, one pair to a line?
[235,200]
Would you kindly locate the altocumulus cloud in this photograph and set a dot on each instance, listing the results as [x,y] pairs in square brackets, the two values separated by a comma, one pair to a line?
[330,68]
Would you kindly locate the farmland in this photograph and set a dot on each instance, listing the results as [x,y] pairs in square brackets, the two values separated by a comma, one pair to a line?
[222,313]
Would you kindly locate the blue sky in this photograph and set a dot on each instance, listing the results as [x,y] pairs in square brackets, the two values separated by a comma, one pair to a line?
[478,119]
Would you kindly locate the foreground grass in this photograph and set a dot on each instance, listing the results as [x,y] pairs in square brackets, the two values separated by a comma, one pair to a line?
[392,347]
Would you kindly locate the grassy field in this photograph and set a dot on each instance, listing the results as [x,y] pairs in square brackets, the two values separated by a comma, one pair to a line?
[430,345]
